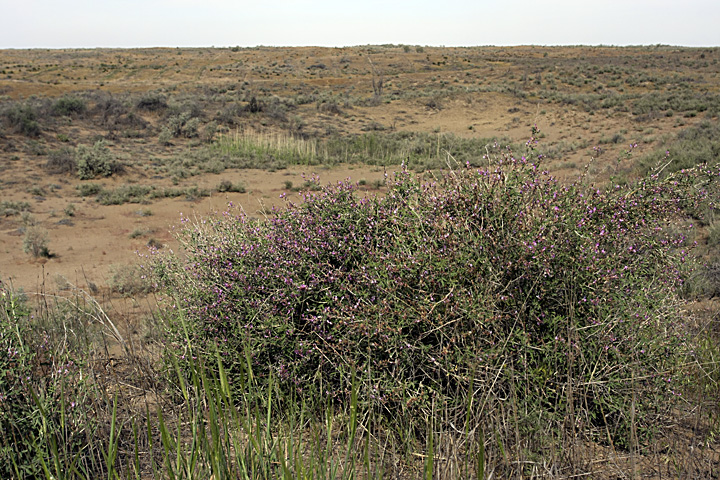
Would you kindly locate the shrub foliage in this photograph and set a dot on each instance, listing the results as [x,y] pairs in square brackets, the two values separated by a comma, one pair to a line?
[498,281]
[95,161]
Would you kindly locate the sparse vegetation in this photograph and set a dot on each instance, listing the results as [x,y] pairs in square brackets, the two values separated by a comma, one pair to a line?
[416,150]
[11,208]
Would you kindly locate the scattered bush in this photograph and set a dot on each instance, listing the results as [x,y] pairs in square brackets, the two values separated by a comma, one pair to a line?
[61,161]
[690,147]
[254,106]
[165,137]
[68,105]
[70,210]
[152,102]
[88,189]
[22,119]
[9,208]
[228,186]
[95,161]
[208,133]
[124,194]
[35,241]
[109,108]
[128,280]
[183,125]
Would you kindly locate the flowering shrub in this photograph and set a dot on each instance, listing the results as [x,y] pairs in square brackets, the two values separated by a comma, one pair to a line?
[497,281]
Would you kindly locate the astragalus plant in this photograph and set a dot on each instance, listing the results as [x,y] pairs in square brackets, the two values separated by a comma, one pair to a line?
[510,301]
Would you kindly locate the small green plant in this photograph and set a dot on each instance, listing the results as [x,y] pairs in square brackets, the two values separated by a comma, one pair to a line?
[35,241]
[128,280]
[209,132]
[22,119]
[183,125]
[95,161]
[131,193]
[61,161]
[154,244]
[228,186]
[137,233]
[9,208]
[37,191]
[69,105]
[88,189]
[152,102]
[27,219]
[70,210]
[165,137]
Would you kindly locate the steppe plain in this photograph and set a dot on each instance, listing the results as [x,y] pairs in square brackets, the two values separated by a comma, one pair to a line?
[590,103]
[178,133]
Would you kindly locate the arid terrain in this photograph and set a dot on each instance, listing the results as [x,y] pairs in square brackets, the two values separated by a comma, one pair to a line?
[104,152]
[161,114]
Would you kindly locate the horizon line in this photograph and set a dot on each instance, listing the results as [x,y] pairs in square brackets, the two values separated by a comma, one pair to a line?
[385,45]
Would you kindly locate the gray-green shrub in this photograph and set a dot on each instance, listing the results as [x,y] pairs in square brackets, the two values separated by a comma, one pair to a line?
[69,105]
[95,161]
[35,241]
[23,119]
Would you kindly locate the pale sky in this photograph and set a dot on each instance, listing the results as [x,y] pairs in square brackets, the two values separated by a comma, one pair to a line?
[222,23]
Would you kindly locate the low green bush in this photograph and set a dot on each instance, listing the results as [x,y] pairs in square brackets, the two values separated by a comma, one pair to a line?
[61,161]
[152,102]
[88,189]
[95,161]
[35,241]
[128,280]
[124,194]
[10,208]
[69,105]
[23,119]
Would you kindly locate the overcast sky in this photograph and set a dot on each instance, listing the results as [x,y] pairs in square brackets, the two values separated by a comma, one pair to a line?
[148,23]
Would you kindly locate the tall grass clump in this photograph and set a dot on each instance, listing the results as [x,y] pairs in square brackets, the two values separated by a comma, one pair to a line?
[49,422]
[533,311]
[416,150]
